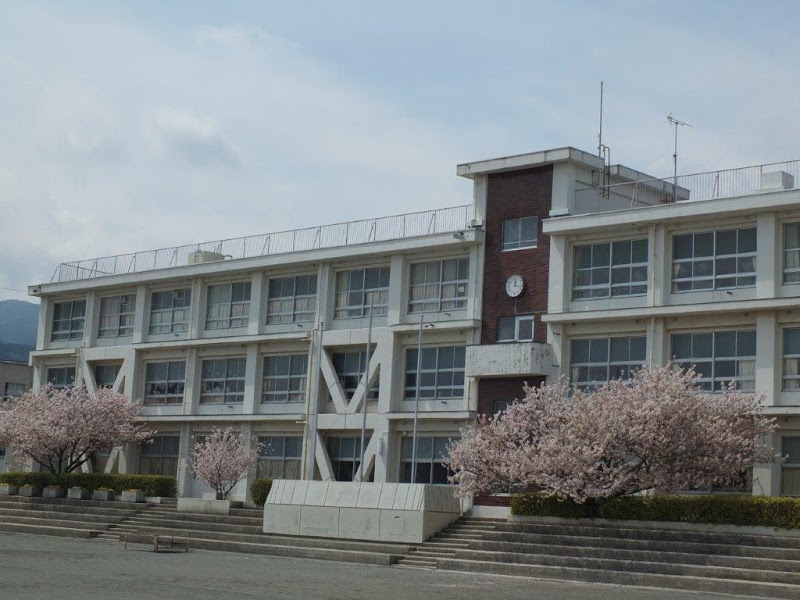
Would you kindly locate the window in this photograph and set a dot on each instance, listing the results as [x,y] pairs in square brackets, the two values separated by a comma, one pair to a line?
[350,368]
[515,329]
[61,377]
[520,233]
[439,286]
[595,362]
[719,358]
[117,314]
[285,378]
[791,360]
[164,382]
[14,390]
[356,290]
[169,311]
[292,299]
[790,475]
[68,320]
[442,373]
[345,455]
[609,269]
[280,456]
[714,260]
[222,381]
[791,253]
[228,305]
[160,456]
[431,453]
[106,375]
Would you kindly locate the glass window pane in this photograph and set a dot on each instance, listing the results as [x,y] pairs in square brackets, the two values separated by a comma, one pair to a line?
[791,341]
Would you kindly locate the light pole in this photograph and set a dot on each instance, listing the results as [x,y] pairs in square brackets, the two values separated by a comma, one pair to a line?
[416,404]
[366,392]
[314,400]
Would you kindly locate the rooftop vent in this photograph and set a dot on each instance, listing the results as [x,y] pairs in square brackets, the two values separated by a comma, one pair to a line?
[776,180]
[203,256]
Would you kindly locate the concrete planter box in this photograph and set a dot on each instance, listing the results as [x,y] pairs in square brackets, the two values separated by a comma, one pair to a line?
[30,491]
[203,506]
[386,512]
[78,493]
[53,492]
[103,495]
[8,489]
[132,496]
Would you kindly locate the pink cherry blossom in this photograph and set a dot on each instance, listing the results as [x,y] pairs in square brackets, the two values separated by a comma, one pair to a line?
[222,459]
[59,429]
[657,432]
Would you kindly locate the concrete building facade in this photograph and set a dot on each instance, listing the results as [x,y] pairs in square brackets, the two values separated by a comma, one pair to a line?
[561,264]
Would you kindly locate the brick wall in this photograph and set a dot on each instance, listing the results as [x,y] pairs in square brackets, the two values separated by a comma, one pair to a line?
[502,389]
[510,195]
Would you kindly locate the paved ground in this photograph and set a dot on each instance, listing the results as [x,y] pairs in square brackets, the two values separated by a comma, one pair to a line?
[45,568]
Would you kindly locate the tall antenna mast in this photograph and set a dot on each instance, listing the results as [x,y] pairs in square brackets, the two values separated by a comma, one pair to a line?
[672,121]
[600,135]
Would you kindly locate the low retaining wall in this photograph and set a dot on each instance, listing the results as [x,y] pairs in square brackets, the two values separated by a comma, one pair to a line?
[386,512]
[206,507]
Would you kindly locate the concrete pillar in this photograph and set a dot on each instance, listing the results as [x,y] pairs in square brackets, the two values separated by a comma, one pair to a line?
[769,258]
[657,342]
[91,320]
[197,312]
[559,275]
[660,265]
[324,286]
[191,395]
[257,294]
[45,319]
[475,286]
[480,189]
[397,297]
[141,323]
[251,381]
[565,174]
[768,358]
[184,475]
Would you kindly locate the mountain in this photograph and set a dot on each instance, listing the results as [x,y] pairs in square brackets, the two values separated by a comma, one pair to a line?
[18,323]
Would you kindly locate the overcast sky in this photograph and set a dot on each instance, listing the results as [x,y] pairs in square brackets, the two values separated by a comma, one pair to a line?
[137,125]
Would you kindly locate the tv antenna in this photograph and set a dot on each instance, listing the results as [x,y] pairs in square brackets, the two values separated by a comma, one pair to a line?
[600,135]
[673,121]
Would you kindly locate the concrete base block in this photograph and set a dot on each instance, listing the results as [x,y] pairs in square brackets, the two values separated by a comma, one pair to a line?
[30,491]
[360,523]
[53,492]
[283,520]
[206,507]
[7,489]
[319,521]
[78,493]
[132,496]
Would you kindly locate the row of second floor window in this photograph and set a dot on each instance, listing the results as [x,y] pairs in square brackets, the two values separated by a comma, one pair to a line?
[284,377]
[436,286]
[709,260]
[718,357]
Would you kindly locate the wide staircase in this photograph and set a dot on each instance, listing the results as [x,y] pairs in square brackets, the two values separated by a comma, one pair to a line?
[654,556]
[141,523]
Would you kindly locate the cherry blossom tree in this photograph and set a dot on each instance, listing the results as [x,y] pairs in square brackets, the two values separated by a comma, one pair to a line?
[60,429]
[222,459]
[657,432]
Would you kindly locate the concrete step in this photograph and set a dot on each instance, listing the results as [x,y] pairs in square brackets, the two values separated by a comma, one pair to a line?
[107,537]
[47,506]
[194,526]
[70,502]
[48,530]
[346,555]
[432,553]
[86,516]
[719,560]
[436,543]
[200,518]
[683,582]
[661,534]
[67,523]
[416,563]
[635,544]
[639,566]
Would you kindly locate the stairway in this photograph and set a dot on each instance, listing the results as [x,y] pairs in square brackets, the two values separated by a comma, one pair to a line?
[652,555]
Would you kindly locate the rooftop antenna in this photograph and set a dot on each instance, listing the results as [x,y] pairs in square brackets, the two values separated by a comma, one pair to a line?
[600,135]
[673,121]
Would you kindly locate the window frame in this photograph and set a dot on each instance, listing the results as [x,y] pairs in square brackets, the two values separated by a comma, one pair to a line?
[120,320]
[459,356]
[789,466]
[116,367]
[161,457]
[225,309]
[76,323]
[66,384]
[343,310]
[338,460]
[618,367]
[283,459]
[610,288]
[340,359]
[285,396]
[794,356]
[208,394]
[714,259]
[791,273]
[406,453]
[184,295]
[7,388]
[441,302]
[519,244]
[279,317]
[714,359]
[518,320]
[150,399]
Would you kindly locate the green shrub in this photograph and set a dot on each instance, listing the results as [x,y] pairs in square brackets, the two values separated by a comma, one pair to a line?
[153,485]
[723,510]
[259,490]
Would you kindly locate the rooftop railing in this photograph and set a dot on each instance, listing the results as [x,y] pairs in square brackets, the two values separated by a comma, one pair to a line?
[442,220]
[730,183]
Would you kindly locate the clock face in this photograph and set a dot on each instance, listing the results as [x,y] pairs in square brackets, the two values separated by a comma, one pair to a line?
[514,286]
